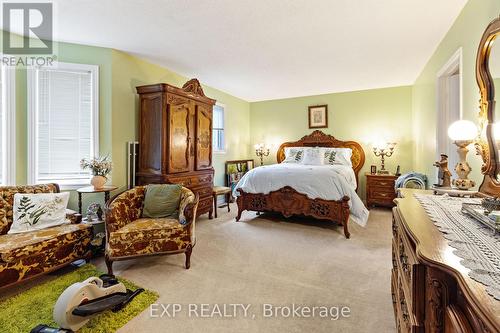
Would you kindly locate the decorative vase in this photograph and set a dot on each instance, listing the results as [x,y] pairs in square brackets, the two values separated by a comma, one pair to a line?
[98,182]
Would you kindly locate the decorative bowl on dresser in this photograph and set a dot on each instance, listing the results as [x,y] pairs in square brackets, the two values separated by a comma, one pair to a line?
[380,189]
[431,289]
[175,139]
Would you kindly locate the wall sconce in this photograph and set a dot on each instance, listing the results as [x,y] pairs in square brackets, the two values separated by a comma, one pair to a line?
[384,150]
[463,133]
[261,150]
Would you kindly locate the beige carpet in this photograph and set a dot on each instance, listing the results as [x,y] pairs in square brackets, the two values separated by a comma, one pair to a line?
[262,260]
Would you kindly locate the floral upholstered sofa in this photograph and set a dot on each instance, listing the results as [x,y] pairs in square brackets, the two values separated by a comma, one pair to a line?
[26,255]
[129,235]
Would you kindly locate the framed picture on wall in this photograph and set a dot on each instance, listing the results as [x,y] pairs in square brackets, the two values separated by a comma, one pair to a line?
[318,116]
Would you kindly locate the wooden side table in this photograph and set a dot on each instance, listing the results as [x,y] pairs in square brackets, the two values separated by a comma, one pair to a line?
[380,189]
[90,189]
[98,242]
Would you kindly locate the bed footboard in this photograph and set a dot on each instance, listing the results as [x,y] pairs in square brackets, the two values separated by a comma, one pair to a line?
[288,202]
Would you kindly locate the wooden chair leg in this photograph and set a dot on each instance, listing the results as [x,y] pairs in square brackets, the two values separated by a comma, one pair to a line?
[109,264]
[215,205]
[189,250]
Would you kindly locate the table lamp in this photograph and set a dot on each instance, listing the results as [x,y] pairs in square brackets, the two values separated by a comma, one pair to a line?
[261,150]
[463,133]
[383,150]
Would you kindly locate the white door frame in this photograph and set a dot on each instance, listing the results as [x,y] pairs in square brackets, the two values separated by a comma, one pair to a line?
[453,65]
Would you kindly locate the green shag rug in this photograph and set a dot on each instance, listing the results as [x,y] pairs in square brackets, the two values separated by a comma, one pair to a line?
[34,306]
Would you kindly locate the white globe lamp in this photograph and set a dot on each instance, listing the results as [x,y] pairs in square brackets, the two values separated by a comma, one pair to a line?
[462,130]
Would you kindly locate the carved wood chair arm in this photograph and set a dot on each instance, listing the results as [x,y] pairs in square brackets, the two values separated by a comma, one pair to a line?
[190,211]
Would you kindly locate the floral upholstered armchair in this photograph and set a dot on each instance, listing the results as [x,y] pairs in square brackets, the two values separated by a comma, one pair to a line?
[129,235]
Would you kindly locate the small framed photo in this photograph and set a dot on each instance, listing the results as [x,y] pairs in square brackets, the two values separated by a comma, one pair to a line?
[318,116]
[373,169]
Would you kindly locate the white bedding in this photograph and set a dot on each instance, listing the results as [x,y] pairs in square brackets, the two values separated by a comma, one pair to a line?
[329,182]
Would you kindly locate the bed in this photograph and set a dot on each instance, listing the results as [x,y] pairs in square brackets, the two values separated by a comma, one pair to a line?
[326,192]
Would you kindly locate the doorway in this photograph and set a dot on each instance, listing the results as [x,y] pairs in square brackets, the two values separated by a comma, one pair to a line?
[449,107]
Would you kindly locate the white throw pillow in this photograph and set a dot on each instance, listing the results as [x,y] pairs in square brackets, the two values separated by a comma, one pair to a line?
[340,156]
[293,155]
[313,156]
[38,211]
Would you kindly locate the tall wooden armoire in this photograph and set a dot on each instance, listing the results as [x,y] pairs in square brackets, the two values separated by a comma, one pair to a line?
[175,139]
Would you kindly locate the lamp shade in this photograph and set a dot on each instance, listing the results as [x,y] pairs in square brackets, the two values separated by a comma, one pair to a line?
[383,145]
[462,130]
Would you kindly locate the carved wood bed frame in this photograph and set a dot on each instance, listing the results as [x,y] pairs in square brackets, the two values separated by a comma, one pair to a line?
[288,201]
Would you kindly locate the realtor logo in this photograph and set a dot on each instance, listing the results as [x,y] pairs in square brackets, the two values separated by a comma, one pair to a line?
[35,20]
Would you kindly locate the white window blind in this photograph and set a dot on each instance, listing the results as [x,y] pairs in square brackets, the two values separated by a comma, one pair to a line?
[64,122]
[218,128]
[7,125]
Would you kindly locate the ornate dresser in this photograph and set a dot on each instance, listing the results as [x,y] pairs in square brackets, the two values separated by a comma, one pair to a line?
[431,290]
[175,139]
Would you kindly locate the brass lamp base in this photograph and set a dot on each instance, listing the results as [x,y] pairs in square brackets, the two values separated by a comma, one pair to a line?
[463,184]
[463,168]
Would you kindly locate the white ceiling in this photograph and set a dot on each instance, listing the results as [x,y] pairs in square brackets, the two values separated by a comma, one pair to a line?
[269,49]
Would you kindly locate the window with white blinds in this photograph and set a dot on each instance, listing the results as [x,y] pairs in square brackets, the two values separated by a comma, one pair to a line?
[218,128]
[63,113]
[7,125]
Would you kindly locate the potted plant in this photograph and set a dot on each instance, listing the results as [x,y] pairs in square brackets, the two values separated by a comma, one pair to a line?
[100,167]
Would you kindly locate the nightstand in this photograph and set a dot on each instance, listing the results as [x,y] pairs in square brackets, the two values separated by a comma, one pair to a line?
[380,190]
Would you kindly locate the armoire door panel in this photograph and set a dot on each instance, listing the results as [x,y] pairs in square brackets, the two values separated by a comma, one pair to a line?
[203,136]
[151,129]
[179,134]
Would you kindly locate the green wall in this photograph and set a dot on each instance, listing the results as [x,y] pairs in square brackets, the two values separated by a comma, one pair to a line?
[378,112]
[129,72]
[466,33]
[76,54]
[406,115]
[66,53]
[119,74]
[363,116]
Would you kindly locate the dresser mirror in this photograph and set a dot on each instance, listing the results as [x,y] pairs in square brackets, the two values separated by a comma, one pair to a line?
[494,67]
[488,79]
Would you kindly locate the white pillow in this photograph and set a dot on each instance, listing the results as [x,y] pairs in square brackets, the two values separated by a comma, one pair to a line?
[38,211]
[340,156]
[293,154]
[313,156]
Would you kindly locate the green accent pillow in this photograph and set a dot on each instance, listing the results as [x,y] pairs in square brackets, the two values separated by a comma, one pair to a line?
[162,200]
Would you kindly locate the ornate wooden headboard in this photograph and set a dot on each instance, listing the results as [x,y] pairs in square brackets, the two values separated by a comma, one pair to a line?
[320,139]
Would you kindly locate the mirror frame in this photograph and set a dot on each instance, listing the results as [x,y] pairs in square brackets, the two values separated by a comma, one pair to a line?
[487,147]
